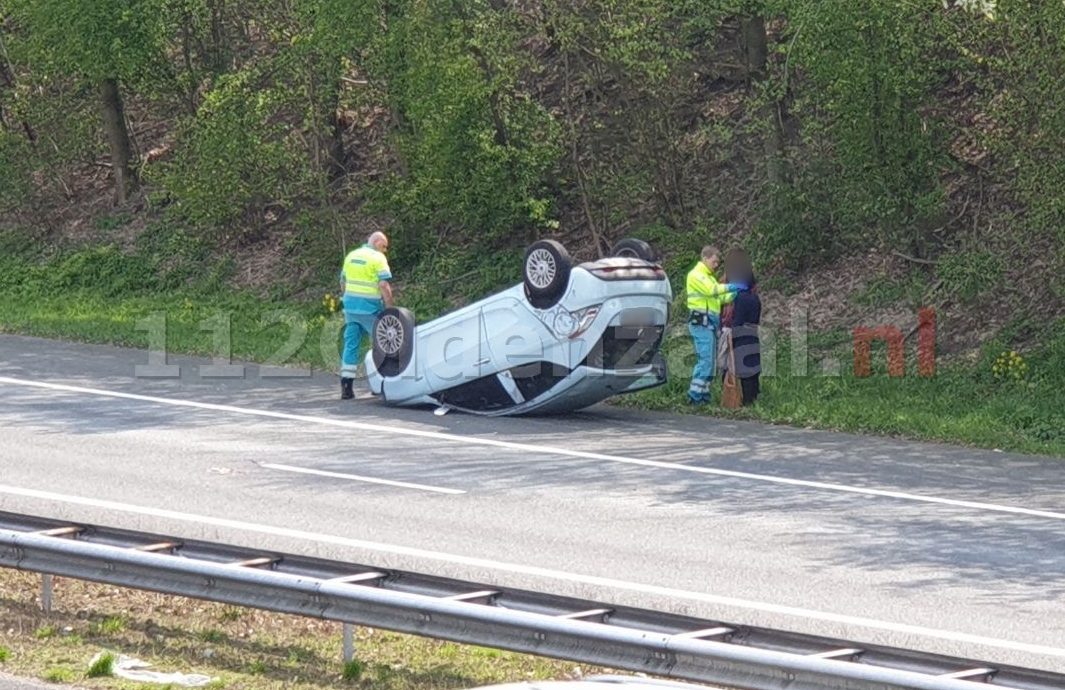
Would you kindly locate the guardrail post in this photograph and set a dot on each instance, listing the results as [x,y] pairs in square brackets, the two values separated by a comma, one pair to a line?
[349,642]
[46,592]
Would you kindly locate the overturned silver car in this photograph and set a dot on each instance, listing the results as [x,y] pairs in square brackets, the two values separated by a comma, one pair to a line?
[567,337]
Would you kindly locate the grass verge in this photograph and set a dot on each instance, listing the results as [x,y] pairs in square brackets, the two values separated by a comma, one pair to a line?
[243,649]
[1000,400]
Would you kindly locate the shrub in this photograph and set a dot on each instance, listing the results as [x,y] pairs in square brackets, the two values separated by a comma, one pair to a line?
[102,269]
[353,670]
[103,666]
[969,274]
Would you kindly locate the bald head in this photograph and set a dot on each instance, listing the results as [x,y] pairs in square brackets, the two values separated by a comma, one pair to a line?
[378,240]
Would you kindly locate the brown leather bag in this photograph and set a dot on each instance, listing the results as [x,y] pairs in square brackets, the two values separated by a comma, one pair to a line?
[731,394]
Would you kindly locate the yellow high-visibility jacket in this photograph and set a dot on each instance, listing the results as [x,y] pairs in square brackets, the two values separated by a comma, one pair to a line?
[705,294]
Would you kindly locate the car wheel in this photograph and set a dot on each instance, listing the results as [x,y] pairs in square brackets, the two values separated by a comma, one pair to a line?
[546,274]
[393,340]
[634,248]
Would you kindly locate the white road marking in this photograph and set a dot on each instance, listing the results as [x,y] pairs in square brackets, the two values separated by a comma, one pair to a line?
[543,450]
[358,478]
[762,606]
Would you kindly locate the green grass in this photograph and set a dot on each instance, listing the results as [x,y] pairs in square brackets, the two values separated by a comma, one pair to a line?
[231,613]
[111,625]
[883,291]
[211,635]
[59,674]
[5,654]
[353,670]
[44,632]
[102,667]
[256,668]
[227,328]
[258,651]
[963,403]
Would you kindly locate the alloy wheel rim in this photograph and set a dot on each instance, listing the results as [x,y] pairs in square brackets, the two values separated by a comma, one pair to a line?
[541,268]
[390,335]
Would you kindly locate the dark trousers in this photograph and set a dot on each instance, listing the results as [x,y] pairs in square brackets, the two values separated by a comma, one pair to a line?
[751,388]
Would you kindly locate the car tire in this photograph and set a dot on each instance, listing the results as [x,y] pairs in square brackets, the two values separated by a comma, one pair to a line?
[393,341]
[634,248]
[546,273]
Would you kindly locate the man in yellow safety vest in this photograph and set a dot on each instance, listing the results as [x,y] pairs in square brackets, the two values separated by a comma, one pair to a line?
[705,298]
[364,281]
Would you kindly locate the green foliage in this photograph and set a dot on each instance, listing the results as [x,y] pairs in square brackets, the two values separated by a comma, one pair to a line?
[448,277]
[103,269]
[232,613]
[44,631]
[353,670]
[5,654]
[176,255]
[874,142]
[64,123]
[211,635]
[111,625]
[95,39]
[112,222]
[1016,61]
[1009,366]
[475,146]
[884,291]
[236,156]
[103,667]
[337,29]
[15,152]
[164,259]
[797,226]
[59,674]
[970,274]
[629,77]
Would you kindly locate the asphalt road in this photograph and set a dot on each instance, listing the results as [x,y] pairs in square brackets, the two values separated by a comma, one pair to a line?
[930,547]
[9,682]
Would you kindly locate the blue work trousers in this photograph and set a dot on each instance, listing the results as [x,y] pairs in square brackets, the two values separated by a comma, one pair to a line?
[357,328]
[705,339]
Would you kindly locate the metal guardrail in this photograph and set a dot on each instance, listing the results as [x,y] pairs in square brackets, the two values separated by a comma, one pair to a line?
[522,621]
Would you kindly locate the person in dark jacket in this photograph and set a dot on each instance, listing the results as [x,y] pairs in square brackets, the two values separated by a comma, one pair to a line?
[737,264]
[743,320]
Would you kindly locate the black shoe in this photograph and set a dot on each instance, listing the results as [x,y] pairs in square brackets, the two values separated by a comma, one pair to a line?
[347,392]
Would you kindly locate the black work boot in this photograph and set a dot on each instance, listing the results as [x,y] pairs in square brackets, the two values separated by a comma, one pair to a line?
[346,390]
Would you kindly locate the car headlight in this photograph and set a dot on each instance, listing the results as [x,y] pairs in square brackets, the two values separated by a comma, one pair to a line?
[571,324]
[564,324]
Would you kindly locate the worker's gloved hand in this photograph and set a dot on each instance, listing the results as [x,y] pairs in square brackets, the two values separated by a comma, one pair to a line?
[736,287]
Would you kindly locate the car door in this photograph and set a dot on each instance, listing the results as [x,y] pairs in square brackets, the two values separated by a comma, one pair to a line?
[451,349]
[527,356]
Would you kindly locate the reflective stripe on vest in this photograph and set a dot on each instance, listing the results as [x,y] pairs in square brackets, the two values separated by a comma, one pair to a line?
[362,272]
[701,287]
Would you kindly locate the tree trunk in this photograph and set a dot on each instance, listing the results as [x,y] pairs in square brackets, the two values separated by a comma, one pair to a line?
[333,137]
[8,81]
[186,58]
[756,49]
[118,139]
